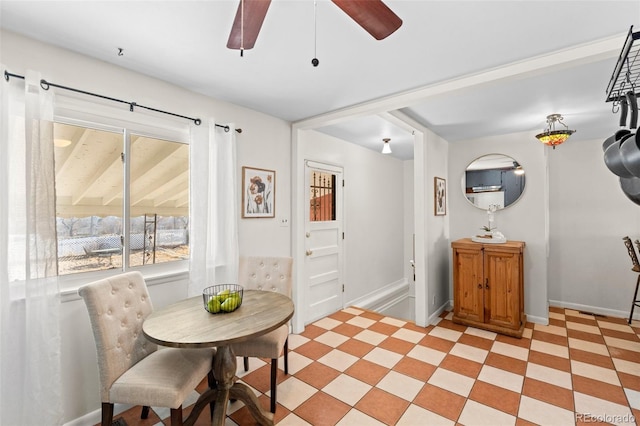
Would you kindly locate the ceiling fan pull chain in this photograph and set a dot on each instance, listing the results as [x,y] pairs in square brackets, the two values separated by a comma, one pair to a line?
[242,28]
[315,62]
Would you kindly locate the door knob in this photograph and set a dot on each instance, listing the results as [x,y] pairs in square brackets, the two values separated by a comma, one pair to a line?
[309,252]
[308,234]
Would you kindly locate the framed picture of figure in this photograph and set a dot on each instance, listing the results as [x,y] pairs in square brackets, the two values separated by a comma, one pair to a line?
[440,196]
[258,192]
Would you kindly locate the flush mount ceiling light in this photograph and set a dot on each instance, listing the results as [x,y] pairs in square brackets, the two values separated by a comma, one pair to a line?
[551,136]
[386,148]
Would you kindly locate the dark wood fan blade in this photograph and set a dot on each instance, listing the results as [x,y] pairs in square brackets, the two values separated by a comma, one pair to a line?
[372,15]
[244,35]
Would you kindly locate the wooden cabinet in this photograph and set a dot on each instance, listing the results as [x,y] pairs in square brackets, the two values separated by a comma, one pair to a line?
[488,286]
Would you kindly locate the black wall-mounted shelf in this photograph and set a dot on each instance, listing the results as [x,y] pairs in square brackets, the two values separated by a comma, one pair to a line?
[626,74]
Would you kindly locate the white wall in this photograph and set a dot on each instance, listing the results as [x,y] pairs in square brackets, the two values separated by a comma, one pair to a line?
[374,212]
[437,227]
[408,224]
[589,268]
[526,220]
[269,148]
[264,143]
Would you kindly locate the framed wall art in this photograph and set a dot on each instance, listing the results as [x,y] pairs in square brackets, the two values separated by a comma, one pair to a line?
[440,196]
[258,192]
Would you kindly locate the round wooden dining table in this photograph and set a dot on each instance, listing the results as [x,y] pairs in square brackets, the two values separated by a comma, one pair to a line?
[186,324]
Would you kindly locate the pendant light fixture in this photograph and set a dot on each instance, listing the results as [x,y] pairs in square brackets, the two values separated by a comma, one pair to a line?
[386,148]
[517,168]
[551,136]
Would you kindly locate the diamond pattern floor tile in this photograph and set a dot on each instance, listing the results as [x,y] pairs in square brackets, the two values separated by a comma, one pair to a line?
[357,367]
[546,392]
[383,406]
[495,397]
[478,414]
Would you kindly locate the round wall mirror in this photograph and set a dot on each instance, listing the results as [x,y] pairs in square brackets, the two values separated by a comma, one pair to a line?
[493,180]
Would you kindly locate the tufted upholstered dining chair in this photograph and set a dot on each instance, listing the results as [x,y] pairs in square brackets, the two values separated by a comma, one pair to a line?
[268,274]
[132,369]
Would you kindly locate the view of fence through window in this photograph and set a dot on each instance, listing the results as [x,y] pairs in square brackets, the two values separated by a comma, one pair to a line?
[90,199]
[322,197]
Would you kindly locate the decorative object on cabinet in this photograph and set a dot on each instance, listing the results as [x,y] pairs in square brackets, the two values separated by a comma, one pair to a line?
[258,192]
[493,179]
[440,196]
[488,286]
[636,268]
[491,234]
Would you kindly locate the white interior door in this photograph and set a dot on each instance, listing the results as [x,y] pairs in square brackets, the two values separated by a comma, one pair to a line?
[323,239]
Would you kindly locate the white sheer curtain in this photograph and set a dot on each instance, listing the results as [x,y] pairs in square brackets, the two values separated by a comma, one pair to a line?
[213,235]
[30,368]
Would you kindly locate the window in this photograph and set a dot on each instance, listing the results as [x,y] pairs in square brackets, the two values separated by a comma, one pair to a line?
[322,197]
[115,211]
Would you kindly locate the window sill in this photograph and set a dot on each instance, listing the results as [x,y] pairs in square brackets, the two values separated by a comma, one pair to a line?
[153,275]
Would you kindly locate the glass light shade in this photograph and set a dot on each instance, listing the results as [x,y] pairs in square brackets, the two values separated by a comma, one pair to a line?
[386,149]
[554,137]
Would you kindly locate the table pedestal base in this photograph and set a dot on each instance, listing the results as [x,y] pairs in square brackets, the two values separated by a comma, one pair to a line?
[224,371]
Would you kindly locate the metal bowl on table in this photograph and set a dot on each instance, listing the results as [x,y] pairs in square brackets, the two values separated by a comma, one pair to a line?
[222,298]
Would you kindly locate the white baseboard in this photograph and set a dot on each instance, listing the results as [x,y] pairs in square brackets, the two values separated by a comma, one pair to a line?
[530,318]
[384,297]
[434,317]
[596,310]
[538,320]
[95,417]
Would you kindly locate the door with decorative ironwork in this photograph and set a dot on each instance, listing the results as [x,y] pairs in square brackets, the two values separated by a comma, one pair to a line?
[323,239]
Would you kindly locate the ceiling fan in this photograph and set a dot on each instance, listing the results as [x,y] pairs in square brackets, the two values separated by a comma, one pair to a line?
[372,15]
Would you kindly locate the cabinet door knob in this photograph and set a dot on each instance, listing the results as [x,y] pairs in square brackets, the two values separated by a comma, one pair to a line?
[480,286]
[486,284]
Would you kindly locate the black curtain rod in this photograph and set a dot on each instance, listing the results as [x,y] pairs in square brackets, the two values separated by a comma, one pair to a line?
[46,85]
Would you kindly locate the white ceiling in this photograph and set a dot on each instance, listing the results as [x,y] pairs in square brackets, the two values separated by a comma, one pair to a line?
[465,69]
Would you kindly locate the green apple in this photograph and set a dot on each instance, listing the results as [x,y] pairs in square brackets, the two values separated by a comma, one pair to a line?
[214,305]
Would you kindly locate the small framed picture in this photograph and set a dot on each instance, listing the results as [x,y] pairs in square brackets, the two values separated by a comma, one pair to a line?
[440,196]
[258,192]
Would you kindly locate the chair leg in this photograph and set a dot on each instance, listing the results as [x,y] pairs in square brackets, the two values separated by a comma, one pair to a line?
[145,412]
[107,414]
[176,416]
[274,383]
[635,300]
[286,356]
[246,363]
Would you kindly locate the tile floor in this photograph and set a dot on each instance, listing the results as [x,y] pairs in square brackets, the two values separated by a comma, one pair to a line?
[357,367]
